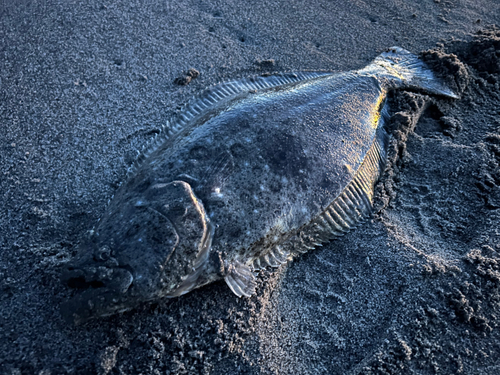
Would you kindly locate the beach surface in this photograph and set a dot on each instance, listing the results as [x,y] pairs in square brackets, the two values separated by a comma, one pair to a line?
[413,290]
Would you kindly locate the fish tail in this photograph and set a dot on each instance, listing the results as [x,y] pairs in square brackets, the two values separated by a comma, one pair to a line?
[402,69]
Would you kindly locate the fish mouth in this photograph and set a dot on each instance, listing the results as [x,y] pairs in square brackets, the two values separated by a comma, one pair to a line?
[99,291]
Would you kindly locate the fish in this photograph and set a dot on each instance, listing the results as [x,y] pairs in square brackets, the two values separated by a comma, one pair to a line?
[248,175]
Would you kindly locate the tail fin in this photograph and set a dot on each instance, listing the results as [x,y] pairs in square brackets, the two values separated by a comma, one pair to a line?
[408,71]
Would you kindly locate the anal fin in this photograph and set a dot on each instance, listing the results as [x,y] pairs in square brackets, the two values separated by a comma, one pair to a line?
[352,206]
[275,257]
[240,279]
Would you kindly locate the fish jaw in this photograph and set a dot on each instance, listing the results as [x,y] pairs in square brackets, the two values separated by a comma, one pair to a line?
[102,291]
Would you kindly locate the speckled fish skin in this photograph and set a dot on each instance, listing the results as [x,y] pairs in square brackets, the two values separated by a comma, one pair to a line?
[245,183]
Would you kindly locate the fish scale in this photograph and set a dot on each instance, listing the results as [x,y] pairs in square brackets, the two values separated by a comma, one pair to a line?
[248,175]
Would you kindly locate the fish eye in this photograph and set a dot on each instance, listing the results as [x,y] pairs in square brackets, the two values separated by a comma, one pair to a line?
[103,253]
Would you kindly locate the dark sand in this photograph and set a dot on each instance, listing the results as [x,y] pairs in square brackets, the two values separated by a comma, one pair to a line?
[414,290]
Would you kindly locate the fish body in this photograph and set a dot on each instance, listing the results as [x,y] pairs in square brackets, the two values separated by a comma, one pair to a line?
[250,174]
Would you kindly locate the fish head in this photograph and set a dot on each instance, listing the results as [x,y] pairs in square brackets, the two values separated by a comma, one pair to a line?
[147,246]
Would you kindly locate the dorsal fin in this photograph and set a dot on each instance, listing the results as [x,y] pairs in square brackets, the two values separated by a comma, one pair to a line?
[352,206]
[208,99]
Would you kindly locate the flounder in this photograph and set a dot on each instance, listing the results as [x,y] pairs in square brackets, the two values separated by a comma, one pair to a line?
[248,175]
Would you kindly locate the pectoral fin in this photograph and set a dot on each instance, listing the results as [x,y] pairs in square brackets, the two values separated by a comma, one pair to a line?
[240,279]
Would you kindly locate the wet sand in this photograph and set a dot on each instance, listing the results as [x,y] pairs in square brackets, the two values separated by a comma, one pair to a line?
[413,290]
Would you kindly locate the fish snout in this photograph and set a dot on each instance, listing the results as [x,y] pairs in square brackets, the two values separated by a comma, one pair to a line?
[116,279]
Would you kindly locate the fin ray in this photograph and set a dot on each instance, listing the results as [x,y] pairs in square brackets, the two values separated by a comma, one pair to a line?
[403,69]
[241,279]
[203,103]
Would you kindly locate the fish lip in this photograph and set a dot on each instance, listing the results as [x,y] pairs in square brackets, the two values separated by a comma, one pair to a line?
[100,291]
[116,278]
